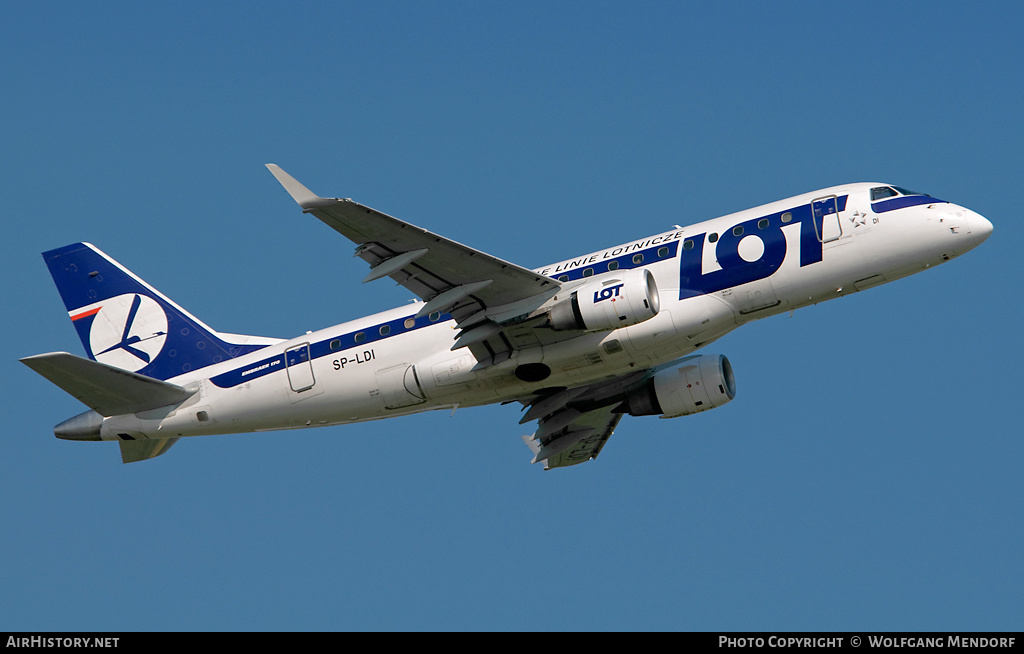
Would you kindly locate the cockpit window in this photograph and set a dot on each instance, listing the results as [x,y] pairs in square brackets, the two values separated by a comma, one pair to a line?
[904,191]
[882,192]
[891,198]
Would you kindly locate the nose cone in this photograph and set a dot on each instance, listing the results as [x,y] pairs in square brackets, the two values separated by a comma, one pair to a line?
[83,427]
[973,228]
[980,226]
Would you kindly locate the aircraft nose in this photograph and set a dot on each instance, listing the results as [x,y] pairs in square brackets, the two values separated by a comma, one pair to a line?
[974,228]
[980,226]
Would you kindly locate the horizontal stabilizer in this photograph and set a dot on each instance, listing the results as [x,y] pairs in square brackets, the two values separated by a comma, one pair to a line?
[132,451]
[108,390]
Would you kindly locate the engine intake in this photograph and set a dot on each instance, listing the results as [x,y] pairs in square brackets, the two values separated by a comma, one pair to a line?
[693,385]
[606,304]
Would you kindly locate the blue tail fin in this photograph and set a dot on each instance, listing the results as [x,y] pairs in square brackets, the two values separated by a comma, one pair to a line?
[126,323]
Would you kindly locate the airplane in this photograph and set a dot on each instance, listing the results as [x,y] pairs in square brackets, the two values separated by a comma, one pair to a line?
[579,343]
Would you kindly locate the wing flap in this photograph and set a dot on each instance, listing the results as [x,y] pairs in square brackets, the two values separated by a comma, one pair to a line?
[567,440]
[575,423]
[108,390]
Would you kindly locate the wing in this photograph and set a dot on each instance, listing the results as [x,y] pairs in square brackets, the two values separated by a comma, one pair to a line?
[482,293]
[579,441]
[575,423]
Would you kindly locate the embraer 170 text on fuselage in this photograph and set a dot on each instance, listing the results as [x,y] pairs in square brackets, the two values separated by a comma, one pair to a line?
[579,343]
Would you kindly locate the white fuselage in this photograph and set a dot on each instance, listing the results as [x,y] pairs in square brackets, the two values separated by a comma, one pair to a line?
[712,277]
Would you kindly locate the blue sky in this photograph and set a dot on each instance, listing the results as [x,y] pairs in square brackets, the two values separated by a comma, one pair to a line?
[867,476]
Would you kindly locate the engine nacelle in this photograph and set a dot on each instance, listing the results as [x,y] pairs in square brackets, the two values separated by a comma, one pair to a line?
[695,384]
[609,303]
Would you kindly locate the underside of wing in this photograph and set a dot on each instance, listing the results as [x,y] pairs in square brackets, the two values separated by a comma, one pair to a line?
[579,441]
[575,423]
[482,293]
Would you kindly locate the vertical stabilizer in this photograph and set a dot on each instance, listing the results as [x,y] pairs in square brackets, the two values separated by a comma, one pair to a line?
[126,323]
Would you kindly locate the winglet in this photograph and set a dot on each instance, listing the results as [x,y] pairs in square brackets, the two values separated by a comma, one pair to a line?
[307,199]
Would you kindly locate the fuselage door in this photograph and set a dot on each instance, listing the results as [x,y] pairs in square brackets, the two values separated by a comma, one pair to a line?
[300,368]
[826,219]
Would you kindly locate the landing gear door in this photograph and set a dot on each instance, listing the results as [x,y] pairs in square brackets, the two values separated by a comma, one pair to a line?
[826,219]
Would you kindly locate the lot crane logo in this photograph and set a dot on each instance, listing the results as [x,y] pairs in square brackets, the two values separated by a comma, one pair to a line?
[128,331]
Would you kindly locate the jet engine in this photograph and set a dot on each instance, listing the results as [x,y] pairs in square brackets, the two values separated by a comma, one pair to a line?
[608,303]
[695,384]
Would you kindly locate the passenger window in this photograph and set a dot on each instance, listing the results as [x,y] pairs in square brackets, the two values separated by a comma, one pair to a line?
[385,330]
[563,278]
[336,344]
[410,323]
[613,265]
[687,244]
[434,317]
[713,238]
[360,337]
[881,192]
[786,217]
[662,252]
[638,258]
[737,230]
[588,272]
[762,224]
